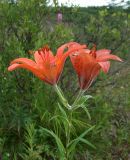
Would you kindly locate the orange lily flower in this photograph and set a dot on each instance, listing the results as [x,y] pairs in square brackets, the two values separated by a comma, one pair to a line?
[46,66]
[88,64]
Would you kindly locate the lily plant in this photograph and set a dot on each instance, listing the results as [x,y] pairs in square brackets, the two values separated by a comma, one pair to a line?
[48,67]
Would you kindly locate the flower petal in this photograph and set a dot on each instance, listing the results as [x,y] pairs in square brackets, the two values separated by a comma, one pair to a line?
[35,71]
[105,66]
[38,59]
[45,56]
[86,67]
[25,61]
[69,45]
[29,65]
[92,70]
[107,57]
[73,49]
[102,52]
[13,67]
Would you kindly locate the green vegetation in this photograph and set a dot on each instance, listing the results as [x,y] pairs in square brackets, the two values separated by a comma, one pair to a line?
[28,106]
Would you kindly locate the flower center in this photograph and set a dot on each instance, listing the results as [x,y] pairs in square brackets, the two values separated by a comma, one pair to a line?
[43,51]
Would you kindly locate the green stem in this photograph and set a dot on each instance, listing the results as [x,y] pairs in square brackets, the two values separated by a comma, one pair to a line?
[69,124]
[81,92]
[61,96]
[68,134]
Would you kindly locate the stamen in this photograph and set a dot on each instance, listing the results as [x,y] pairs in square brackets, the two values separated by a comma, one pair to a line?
[75,54]
[31,52]
[93,51]
[40,53]
[45,48]
[44,52]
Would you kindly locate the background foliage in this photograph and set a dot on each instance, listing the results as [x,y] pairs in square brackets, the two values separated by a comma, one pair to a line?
[26,104]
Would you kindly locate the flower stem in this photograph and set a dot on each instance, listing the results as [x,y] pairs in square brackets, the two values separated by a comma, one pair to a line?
[69,118]
[61,96]
[80,94]
[68,134]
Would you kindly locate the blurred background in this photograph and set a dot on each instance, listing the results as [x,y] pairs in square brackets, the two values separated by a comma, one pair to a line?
[27,103]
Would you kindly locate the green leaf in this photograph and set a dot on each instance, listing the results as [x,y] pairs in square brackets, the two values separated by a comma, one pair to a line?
[87,142]
[62,111]
[81,103]
[60,117]
[79,122]
[60,145]
[87,112]
[71,146]
[83,99]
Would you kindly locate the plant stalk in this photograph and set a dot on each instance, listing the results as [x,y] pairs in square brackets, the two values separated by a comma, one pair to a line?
[62,98]
[80,94]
